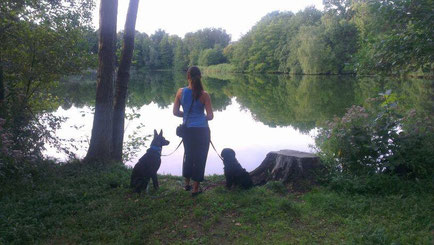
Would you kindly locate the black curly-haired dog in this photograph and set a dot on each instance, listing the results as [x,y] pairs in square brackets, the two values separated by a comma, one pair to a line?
[148,164]
[234,173]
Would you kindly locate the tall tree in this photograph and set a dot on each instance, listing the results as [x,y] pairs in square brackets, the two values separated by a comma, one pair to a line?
[2,87]
[122,80]
[180,58]
[341,8]
[101,139]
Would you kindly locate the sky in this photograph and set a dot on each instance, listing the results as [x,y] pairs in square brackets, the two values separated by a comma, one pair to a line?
[237,17]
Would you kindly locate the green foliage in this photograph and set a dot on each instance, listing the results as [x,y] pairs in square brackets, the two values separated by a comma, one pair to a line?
[314,55]
[207,38]
[308,42]
[135,141]
[258,50]
[341,36]
[158,53]
[164,51]
[341,8]
[396,36]
[362,37]
[347,37]
[212,56]
[180,59]
[41,41]
[219,70]
[379,138]
[142,51]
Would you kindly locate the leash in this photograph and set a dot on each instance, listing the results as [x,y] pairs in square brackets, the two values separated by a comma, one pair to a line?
[165,155]
[215,149]
[186,120]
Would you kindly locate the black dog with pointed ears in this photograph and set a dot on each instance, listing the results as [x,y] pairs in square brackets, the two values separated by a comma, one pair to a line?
[234,173]
[148,165]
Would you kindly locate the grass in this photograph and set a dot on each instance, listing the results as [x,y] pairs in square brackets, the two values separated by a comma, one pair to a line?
[75,203]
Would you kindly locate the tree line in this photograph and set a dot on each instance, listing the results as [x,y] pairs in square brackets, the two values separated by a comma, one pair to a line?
[348,36]
[162,51]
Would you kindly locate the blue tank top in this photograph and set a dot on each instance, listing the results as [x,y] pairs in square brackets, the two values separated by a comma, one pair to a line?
[196,117]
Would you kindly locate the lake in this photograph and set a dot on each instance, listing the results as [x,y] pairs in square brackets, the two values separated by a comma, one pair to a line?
[254,114]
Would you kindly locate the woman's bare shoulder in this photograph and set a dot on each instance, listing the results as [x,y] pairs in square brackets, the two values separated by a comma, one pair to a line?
[178,93]
[205,97]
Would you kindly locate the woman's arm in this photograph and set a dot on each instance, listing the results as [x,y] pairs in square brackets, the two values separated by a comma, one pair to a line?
[177,104]
[208,106]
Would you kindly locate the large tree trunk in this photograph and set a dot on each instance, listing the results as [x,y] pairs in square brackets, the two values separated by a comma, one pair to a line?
[2,91]
[291,167]
[101,138]
[123,79]
[2,85]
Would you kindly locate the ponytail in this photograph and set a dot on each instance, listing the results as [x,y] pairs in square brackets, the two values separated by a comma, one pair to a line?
[193,74]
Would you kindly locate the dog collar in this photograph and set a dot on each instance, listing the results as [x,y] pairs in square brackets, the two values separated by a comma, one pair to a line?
[156,148]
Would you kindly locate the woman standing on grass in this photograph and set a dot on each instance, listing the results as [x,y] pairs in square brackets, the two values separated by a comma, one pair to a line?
[197,138]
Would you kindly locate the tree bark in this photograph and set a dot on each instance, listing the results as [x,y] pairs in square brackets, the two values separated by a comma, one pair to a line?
[122,80]
[101,138]
[2,91]
[291,167]
[2,85]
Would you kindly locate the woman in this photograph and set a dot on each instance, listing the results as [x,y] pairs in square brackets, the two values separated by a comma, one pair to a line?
[197,138]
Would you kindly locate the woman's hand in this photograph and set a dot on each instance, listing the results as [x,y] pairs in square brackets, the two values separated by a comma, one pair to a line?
[177,104]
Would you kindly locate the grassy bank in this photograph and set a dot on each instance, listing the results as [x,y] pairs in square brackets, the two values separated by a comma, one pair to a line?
[220,68]
[81,204]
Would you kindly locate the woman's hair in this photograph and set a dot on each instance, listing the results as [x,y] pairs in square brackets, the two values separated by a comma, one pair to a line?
[193,74]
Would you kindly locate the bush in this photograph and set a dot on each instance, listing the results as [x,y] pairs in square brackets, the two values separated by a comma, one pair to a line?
[211,57]
[22,142]
[378,138]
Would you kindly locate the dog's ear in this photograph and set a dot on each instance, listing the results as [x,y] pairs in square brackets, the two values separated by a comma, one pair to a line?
[155,132]
[161,132]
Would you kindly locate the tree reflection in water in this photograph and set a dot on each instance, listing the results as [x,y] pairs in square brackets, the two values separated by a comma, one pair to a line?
[278,110]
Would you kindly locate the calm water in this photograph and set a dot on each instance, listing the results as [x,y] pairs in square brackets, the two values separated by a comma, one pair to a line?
[253,114]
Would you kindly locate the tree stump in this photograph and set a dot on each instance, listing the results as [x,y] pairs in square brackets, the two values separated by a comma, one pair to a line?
[291,167]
